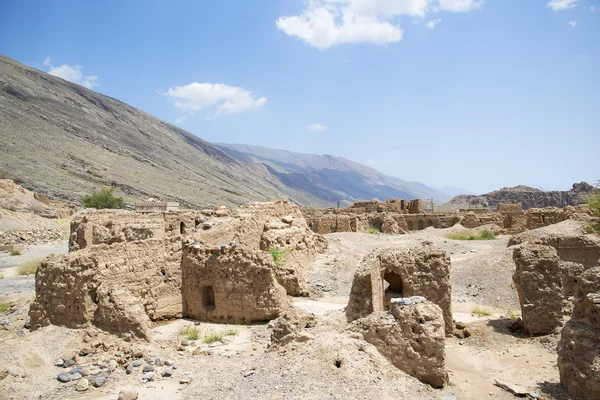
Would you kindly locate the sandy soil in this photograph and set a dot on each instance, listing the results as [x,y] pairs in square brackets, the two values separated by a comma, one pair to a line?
[243,366]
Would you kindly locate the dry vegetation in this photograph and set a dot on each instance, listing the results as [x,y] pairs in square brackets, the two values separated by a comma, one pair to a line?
[469,235]
[29,267]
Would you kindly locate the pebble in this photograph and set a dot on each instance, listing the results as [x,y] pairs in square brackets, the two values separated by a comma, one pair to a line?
[64,377]
[98,380]
[167,373]
[148,368]
[136,363]
[58,363]
[112,365]
[68,363]
[76,376]
[185,342]
[129,369]
[185,381]
[82,385]
[170,363]
[159,362]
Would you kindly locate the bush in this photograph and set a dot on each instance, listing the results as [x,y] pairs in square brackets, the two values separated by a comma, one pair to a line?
[1,277]
[104,198]
[372,230]
[29,267]
[279,255]
[468,235]
[190,332]
[14,253]
[593,202]
[213,337]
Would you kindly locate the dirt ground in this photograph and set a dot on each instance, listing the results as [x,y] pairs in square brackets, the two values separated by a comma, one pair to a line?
[242,365]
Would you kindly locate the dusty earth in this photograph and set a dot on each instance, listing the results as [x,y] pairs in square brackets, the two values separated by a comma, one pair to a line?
[243,365]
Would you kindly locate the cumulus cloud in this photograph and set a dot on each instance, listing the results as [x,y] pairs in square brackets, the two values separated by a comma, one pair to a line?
[431,24]
[71,73]
[325,23]
[573,23]
[557,5]
[227,99]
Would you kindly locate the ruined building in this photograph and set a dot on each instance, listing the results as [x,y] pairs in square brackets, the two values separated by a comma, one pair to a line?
[126,269]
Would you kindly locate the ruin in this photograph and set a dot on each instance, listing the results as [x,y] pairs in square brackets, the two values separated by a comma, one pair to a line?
[386,274]
[397,216]
[156,206]
[212,265]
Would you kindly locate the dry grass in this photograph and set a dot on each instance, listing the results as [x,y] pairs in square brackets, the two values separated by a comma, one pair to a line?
[29,267]
[512,314]
[4,306]
[64,224]
[469,235]
[14,253]
[213,337]
[481,311]
[190,332]
[1,276]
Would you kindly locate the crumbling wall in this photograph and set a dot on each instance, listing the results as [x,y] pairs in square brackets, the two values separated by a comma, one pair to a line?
[90,286]
[579,346]
[411,337]
[230,284]
[390,273]
[538,279]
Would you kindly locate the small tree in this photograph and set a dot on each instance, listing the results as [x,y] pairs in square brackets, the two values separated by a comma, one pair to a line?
[103,198]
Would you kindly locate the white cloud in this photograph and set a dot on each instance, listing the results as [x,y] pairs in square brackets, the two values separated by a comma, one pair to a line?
[460,5]
[316,128]
[371,162]
[227,99]
[431,24]
[594,8]
[557,5]
[72,73]
[326,23]
[573,23]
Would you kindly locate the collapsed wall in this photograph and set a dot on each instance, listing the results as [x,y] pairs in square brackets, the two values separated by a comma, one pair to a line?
[411,337]
[126,269]
[395,273]
[579,346]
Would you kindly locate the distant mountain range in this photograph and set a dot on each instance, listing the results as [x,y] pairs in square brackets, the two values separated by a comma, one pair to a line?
[330,178]
[63,139]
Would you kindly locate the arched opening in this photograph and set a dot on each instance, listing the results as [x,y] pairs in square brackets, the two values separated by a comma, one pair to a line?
[410,225]
[421,224]
[208,298]
[182,228]
[392,286]
[430,223]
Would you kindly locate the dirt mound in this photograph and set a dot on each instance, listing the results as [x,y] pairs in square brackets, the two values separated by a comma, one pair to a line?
[16,198]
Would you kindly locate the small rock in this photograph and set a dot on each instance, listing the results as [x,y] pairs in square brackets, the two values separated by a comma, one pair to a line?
[167,373]
[185,342]
[103,365]
[148,376]
[68,363]
[76,376]
[98,380]
[215,344]
[127,395]
[112,365]
[64,377]
[82,385]
[136,363]
[288,219]
[159,362]
[169,363]
[84,371]
[148,368]
[58,363]
[461,342]
[129,369]
[185,381]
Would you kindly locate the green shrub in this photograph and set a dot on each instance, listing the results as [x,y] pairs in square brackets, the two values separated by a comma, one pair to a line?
[279,255]
[231,332]
[29,267]
[372,230]
[190,332]
[469,235]
[104,198]
[14,253]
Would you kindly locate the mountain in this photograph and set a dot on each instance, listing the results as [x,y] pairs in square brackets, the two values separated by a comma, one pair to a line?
[452,191]
[328,177]
[528,196]
[60,138]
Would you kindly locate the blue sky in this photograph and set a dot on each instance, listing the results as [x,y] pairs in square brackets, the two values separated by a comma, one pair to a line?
[477,94]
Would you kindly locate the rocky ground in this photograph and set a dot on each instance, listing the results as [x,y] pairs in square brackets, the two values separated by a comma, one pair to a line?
[332,364]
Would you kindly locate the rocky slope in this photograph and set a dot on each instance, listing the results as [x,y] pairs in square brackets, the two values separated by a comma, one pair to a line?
[528,196]
[329,177]
[60,138]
